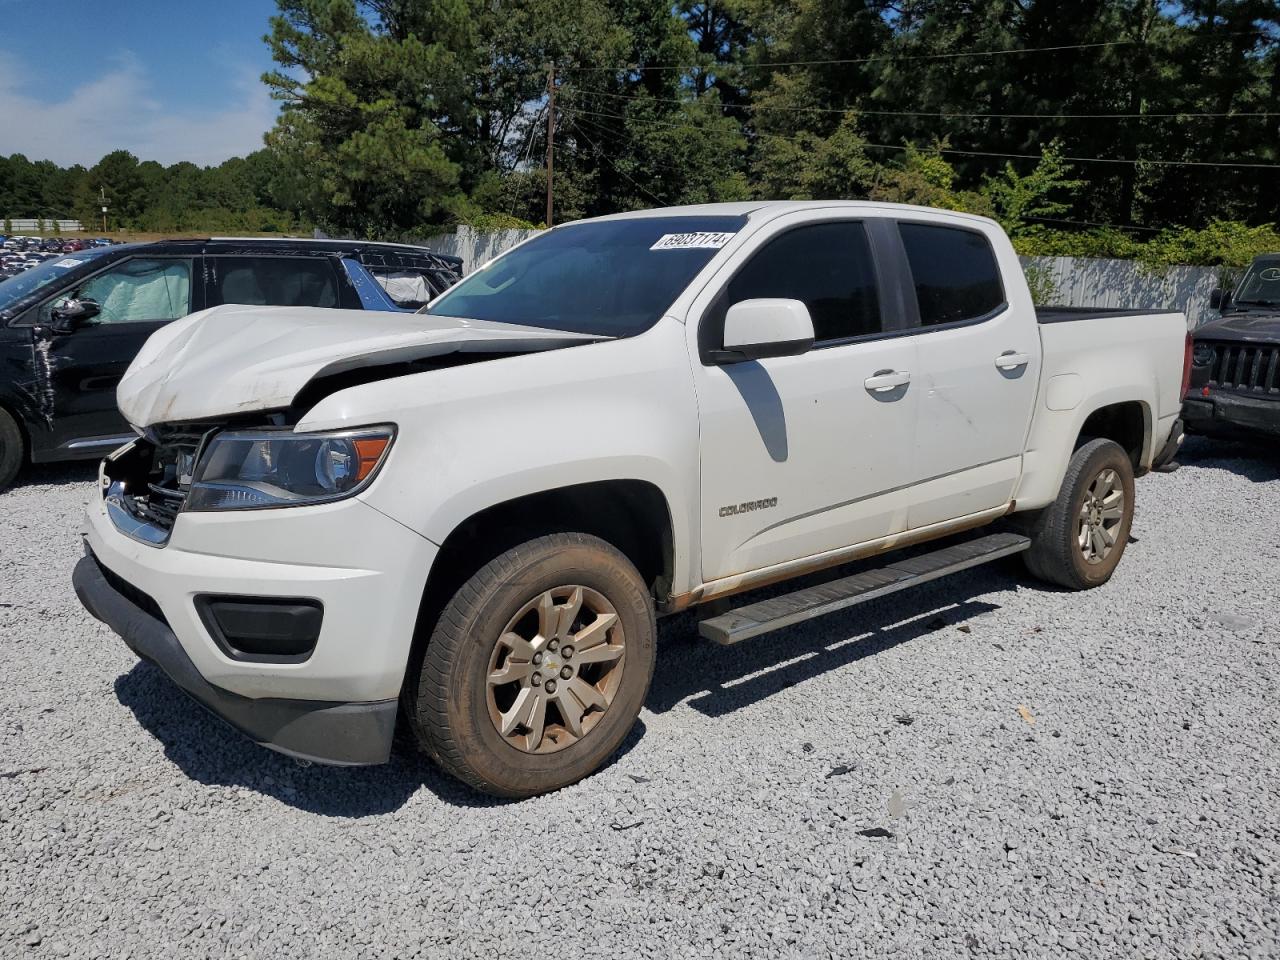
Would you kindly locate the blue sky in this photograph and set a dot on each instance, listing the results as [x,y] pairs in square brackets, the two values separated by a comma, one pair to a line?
[167,81]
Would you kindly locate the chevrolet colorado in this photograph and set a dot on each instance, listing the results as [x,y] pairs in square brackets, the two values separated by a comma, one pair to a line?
[467,519]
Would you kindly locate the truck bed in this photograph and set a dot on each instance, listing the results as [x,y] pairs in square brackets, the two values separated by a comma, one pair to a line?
[1066,314]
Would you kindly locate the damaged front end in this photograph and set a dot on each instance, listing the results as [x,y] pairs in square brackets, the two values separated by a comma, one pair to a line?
[206,467]
[145,483]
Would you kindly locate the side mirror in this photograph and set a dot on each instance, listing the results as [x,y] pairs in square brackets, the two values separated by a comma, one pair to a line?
[1219,299]
[70,314]
[755,329]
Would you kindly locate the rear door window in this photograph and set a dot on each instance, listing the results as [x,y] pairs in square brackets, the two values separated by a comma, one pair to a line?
[954,271]
[274,281]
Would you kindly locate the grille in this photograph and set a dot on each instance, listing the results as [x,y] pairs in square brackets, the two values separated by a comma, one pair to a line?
[1246,368]
[161,499]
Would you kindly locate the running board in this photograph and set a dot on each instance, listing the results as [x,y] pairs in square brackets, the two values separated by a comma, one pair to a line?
[767,615]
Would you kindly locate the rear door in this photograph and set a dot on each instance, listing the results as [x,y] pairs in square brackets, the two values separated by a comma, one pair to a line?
[808,454]
[978,349]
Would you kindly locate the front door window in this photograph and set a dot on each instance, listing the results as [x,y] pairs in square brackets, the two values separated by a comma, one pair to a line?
[141,290]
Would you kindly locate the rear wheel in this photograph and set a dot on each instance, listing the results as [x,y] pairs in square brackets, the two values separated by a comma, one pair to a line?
[537,668]
[12,449]
[1078,540]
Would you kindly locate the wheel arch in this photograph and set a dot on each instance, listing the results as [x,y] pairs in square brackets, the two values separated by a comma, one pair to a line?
[1127,422]
[632,515]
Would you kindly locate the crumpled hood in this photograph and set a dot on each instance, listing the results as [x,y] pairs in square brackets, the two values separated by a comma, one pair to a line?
[237,359]
[1252,326]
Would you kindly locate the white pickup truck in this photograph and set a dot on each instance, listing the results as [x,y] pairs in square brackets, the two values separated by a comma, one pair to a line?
[467,519]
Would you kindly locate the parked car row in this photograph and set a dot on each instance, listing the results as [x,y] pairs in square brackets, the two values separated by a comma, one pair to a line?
[19,254]
[71,325]
[52,244]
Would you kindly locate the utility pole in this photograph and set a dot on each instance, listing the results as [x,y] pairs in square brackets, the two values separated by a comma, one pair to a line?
[551,137]
[102,196]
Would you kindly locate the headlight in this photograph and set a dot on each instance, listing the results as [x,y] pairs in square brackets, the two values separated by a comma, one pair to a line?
[278,468]
[1202,354]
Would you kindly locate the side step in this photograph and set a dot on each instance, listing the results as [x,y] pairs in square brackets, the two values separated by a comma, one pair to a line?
[766,615]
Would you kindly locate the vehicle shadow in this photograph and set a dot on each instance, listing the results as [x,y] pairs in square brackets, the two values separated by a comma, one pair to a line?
[212,753]
[1256,460]
[717,680]
[56,474]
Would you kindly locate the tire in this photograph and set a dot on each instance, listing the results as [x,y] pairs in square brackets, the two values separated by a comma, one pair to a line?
[515,618]
[12,449]
[1077,542]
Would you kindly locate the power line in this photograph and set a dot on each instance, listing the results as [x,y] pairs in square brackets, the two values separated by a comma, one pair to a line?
[981,153]
[941,114]
[605,157]
[1092,223]
[1007,51]
[599,151]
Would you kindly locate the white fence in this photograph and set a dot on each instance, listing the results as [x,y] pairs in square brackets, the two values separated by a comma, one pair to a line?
[476,249]
[1074,281]
[1079,282]
[22,225]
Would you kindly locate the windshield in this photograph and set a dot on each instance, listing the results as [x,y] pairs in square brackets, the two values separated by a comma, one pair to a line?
[614,278]
[18,287]
[1261,283]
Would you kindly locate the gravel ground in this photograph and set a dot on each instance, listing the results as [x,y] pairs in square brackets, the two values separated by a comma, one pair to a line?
[983,767]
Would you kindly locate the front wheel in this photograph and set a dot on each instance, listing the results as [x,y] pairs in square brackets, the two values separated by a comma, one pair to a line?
[12,450]
[1078,540]
[537,668]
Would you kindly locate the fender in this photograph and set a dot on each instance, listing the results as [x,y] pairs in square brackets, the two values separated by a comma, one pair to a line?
[482,435]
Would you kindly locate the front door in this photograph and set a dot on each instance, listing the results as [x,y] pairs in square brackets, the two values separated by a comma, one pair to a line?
[82,367]
[804,455]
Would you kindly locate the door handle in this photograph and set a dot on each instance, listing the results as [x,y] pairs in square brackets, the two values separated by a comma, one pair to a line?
[1011,360]
[882,381]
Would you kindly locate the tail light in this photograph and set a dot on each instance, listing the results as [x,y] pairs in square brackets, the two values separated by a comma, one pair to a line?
[1186,368]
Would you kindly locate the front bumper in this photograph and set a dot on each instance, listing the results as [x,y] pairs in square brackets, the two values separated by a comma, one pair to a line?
[323,731]
[1227,415]
[367,572]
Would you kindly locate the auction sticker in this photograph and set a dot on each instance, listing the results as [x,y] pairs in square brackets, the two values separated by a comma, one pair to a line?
[692,241]
[67,264]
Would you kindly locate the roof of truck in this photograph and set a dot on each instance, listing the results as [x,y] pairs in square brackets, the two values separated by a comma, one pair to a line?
[751,208]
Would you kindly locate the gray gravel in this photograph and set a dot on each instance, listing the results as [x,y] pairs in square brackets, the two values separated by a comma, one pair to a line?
[983,767]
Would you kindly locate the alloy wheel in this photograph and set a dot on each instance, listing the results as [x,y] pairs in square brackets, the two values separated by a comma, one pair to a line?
[555,669]
[1101,516]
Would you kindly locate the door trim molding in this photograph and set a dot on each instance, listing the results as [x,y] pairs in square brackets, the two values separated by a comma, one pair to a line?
[753,579]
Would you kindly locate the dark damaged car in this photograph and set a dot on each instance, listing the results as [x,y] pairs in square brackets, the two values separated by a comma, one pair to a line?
[70,327]
[1235,367]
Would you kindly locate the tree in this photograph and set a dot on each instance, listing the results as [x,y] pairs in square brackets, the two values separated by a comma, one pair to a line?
[1044,193]
[373,129]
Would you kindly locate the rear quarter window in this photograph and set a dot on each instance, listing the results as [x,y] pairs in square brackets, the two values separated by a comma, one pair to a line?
[954,272]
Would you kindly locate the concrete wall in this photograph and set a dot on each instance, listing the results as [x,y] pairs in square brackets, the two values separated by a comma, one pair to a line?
[1076,282]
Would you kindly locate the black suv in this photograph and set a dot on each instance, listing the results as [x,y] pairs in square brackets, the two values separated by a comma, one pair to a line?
[70,327]
[1235,360]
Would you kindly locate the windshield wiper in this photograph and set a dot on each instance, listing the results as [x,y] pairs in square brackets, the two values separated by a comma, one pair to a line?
[1257,303]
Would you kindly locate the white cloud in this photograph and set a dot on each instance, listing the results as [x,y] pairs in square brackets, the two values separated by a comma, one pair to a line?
[118,109]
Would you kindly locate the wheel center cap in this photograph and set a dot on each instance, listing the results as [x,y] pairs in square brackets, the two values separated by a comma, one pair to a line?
[550,664]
